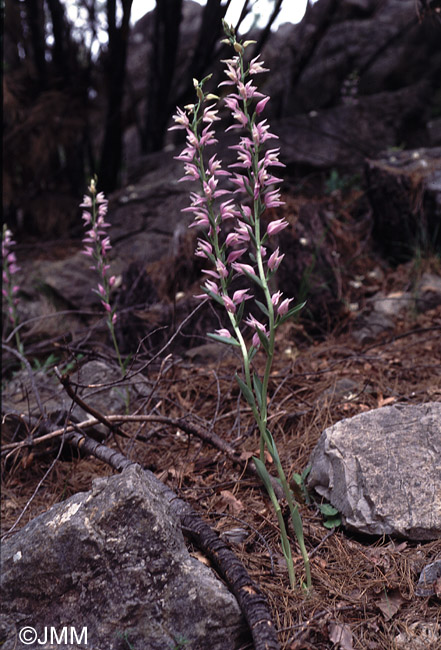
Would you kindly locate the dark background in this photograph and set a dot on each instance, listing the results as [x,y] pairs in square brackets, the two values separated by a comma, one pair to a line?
[354,78]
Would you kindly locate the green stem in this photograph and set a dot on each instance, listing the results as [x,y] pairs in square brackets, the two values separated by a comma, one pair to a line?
[294,512]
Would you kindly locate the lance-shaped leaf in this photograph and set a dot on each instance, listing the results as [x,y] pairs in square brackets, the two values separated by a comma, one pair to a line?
[269,441]
[263,339]
[290,313]
[246,391]
[263,308]
[252,353]
[266,480]
[257,384]
[213,295]
[224,339]
[239,313]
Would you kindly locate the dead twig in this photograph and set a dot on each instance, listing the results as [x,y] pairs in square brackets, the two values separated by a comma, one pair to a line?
[65,382]
[181,423]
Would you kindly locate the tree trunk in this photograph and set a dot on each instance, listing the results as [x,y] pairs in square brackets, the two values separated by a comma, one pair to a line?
[167,21]
[35,15]
[111,152]
[61,54]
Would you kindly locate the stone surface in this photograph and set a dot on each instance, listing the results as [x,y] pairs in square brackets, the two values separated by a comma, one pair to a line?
[404,189]
[382,310]
[382,470]
[429,583]
[114,560]
[354,77]
[94,379]
[370,326]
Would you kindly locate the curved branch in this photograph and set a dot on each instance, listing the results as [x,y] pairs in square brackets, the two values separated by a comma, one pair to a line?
[251,600]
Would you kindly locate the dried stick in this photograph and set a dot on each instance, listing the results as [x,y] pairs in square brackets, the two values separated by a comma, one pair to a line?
[65,382]
[188,427]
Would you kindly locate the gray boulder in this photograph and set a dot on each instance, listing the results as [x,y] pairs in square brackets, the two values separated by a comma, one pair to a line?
[96,383]
[114,560]
[382,471]
[429,583]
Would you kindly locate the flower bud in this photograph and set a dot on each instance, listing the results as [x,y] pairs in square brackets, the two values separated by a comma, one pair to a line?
[224,332]
[238,47]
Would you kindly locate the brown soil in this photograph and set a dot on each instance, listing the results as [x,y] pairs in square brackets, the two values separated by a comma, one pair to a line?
[363,594]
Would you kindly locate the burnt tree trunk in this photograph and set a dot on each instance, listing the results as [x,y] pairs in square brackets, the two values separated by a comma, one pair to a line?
[209,34]
[35,19]
[63,52]
[167,21]
[111,152]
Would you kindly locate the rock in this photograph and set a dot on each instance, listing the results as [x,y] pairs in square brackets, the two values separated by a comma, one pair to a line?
[404,189]
[382,309]
[209,353]
[429,583]
[380,45]
[382,471]
[317,139]
[370,326]
[343,389]
[428,292]
[393,303]
[114,560]
[95,379]
[354,77]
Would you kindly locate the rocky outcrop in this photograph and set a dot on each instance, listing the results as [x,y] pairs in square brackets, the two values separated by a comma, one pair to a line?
[353,78]
[382,311]
[404,189]
[382,471]
[114,560]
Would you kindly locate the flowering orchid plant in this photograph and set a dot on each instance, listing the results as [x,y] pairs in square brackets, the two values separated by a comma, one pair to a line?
[247,239]
[97,246]
[10,288]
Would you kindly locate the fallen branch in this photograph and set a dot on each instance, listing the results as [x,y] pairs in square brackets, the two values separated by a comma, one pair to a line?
[180,423]
[251,600]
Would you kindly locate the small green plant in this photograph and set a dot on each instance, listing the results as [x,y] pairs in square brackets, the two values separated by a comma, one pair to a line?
[331,516]
[125,637]
[46,364]
[338,183]
[180,642]
[248,238]
[52,360]
[300,481]
[71,365]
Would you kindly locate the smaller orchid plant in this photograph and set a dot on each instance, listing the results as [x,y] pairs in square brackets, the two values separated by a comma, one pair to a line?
[97,246]
[10,287]
[235,242]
